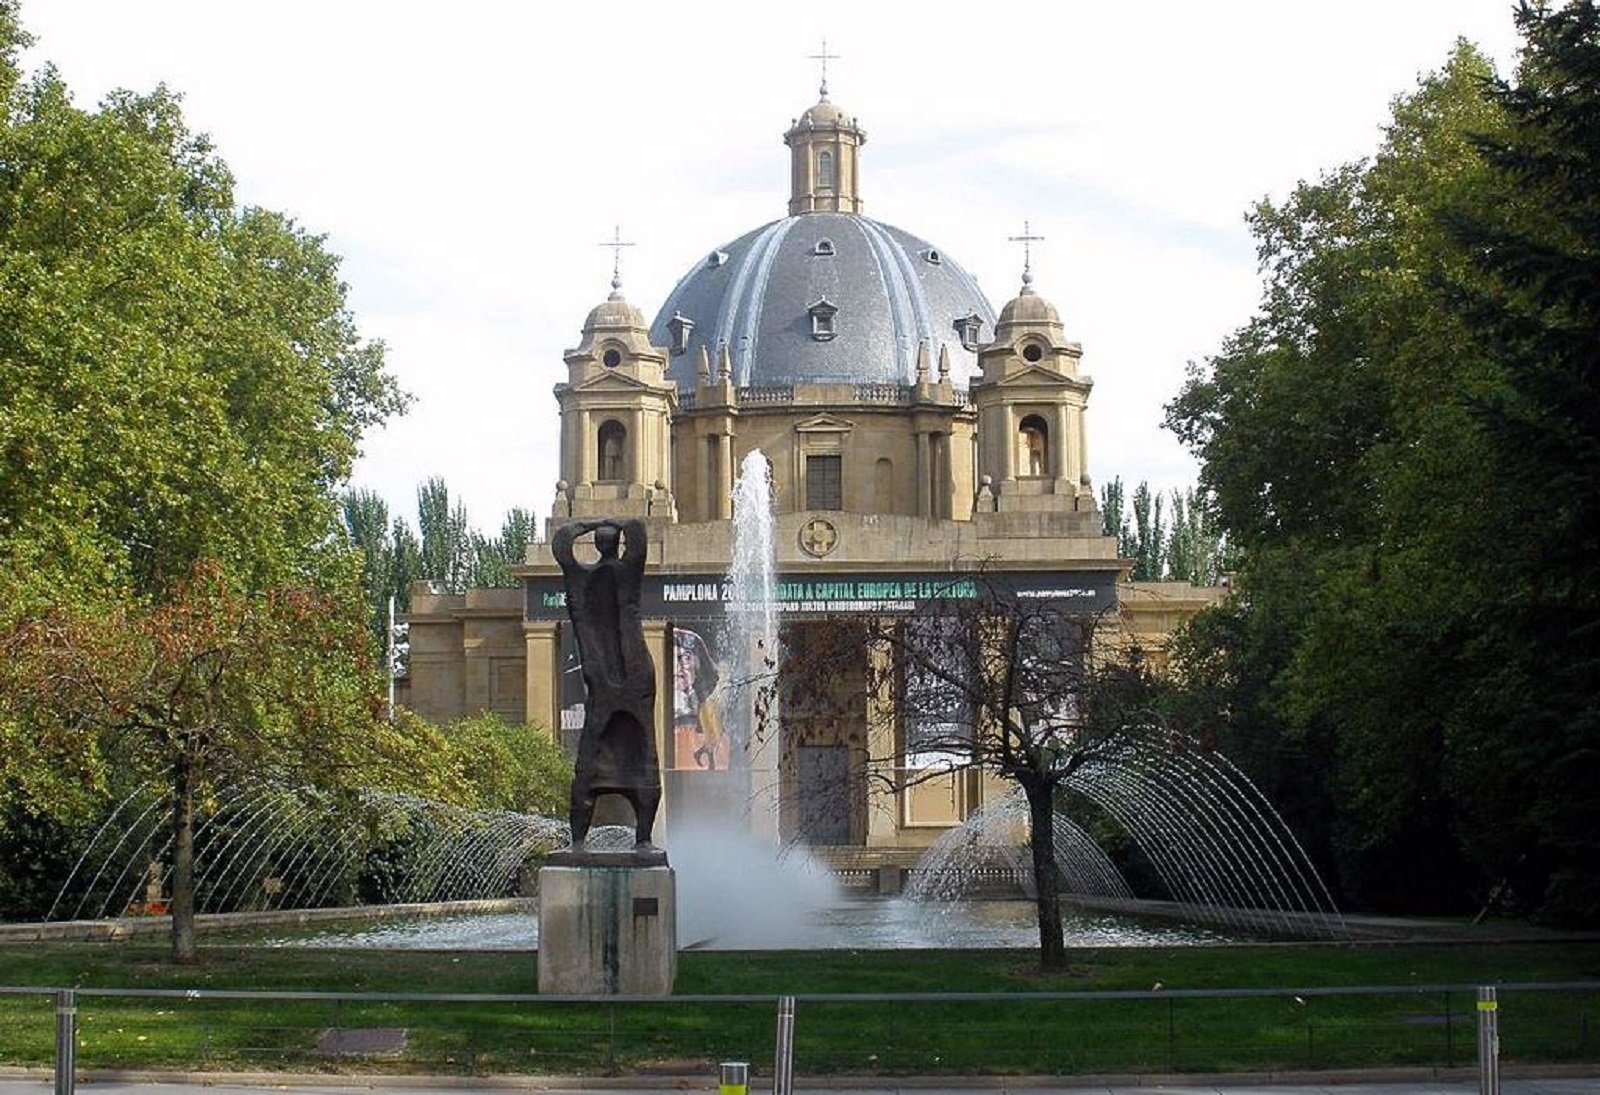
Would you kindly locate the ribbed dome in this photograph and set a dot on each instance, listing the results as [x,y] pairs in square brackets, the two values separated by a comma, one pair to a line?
[760,295]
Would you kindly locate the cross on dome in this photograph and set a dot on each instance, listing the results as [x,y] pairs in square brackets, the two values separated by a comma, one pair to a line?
[824,57]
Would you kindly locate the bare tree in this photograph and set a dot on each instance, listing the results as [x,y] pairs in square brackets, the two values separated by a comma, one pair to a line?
[983,677]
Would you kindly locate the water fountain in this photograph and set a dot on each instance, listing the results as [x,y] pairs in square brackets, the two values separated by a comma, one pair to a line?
[752,645]
[264,846]
[1218,849]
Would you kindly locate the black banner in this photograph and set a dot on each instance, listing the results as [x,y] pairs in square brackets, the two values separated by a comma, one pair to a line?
[693,597]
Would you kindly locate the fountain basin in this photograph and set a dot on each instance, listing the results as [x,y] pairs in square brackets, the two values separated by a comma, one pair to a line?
[852,924]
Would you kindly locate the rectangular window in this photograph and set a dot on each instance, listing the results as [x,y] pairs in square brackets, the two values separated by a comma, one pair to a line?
[825,482]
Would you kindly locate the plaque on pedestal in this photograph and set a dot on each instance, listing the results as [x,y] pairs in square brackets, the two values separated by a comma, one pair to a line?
[607,929]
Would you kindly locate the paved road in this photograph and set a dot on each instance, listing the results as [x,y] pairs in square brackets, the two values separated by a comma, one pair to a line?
[306,1085]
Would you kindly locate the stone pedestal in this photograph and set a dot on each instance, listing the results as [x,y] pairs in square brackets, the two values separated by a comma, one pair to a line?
[607,930]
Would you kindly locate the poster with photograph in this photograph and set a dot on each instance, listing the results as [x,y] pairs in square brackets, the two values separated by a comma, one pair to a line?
[699,696]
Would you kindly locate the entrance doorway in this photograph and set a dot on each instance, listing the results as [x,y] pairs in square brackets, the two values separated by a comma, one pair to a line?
[823,779]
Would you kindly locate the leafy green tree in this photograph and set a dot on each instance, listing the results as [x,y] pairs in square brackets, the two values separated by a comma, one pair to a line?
[509,766]
[494,557]
[1149,535]
[390,557]
[183,379]
[1114,515]
[446,537]
[182,391]
[1188,546]
[208,686]
[1532,299]
[1399,445]
[1196,548]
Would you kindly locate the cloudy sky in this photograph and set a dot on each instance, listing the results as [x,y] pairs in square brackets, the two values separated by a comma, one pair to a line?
[467,159]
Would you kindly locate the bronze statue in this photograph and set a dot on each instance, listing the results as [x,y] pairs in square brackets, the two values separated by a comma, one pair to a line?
[617,752]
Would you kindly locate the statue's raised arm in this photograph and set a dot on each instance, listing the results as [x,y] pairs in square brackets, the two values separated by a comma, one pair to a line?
[635,544]
[567,535]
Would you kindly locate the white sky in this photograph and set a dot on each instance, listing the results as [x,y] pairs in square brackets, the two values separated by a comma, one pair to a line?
[467,158]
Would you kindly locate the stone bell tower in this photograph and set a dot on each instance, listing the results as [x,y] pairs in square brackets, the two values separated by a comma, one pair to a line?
[823,148]
[1030,401]
[616,410]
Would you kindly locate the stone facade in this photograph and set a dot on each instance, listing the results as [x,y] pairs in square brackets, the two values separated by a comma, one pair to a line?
[905,441]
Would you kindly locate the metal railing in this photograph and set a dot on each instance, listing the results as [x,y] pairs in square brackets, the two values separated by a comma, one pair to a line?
[1157,1030]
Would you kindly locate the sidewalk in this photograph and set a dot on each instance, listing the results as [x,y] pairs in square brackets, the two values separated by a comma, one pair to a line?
[1457,1083]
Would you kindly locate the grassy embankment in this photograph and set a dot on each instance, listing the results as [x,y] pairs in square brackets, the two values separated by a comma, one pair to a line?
[1154,1032]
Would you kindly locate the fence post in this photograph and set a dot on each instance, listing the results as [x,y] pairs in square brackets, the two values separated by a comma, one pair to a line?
[611,1038]
[1172,1036]
[1488,1041]
[783,1057]
[66,1041]
[1449,1033]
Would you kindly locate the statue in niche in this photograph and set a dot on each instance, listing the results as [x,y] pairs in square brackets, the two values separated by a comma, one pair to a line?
[617,749]
[611,455]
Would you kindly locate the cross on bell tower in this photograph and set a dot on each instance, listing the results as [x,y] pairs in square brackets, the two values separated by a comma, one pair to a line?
[1027,239]
[616,243]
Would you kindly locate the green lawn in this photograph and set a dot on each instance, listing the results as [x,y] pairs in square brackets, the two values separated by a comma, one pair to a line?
[1149,1031]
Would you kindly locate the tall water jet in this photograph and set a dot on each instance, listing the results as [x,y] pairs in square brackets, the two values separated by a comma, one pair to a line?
[752,645]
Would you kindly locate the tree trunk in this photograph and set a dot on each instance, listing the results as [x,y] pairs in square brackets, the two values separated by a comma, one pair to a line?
[1046,879]
[183,781]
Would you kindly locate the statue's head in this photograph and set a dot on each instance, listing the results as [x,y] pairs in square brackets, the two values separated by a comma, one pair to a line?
[605,541]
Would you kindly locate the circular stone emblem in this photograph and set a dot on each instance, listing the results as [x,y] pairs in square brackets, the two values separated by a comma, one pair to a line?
[818,537]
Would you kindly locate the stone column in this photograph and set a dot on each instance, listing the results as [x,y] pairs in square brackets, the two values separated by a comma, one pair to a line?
[1083,447]
[634,472]
[1063,452]
[724,488]
[944,476]
[543,675]
[1008,445]
[924,476]
[586,454]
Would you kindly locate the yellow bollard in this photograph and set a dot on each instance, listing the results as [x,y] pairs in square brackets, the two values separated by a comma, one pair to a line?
[735,1078]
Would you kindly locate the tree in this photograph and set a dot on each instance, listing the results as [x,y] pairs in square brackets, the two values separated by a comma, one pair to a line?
[390,558]
[1191,548]
[1334,440]
[1114,516]
[183,379]
[980,680]
[211,685]
[1196,549]
[182,390]
[446,537]
[509,766]
[1535,307]
[1149,537]
[493,557]
[1400,446]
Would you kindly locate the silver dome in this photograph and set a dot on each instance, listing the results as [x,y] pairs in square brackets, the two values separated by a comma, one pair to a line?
[889,291]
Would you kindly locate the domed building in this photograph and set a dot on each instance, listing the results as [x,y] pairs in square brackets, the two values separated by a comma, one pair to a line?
[910,432]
